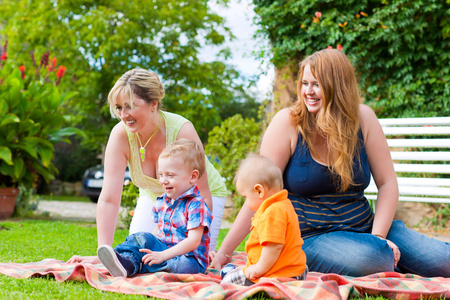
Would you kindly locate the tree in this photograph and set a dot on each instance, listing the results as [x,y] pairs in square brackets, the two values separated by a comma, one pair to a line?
[100,40]
[400,48]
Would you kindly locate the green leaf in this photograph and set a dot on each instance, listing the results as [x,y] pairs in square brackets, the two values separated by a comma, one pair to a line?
[5,154]
[67,96]
[56,100]
[9,119]
[46,155]
[18,167]
[28,149]
[64,132]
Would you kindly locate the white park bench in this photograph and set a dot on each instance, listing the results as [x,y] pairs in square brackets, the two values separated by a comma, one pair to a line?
[420,150]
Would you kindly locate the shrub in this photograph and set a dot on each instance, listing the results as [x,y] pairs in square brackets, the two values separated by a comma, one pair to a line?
[228,145]
[31,121]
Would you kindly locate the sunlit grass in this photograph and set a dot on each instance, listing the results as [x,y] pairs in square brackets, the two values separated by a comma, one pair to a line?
[64,198]
[25,241]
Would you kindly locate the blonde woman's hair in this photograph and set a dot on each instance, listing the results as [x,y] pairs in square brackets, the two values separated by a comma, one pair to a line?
[258,169]
[189,151]
[338,120]
[139,83]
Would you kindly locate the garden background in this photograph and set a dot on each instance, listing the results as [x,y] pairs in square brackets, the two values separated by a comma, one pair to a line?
[400,49]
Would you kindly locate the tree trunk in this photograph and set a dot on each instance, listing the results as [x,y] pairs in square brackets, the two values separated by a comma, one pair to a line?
[285,86]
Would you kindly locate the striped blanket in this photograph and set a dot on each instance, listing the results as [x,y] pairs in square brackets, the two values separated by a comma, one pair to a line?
[207,286]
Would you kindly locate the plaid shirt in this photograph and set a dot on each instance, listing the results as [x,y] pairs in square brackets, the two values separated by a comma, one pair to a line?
[187,212]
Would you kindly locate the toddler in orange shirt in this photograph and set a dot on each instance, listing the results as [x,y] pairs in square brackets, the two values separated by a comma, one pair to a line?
[274,248]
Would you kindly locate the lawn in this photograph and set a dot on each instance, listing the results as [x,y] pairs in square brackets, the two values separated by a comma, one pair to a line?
[34,240]
[64,198]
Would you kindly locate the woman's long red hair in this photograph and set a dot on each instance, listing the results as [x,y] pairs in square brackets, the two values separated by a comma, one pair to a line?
[338,120]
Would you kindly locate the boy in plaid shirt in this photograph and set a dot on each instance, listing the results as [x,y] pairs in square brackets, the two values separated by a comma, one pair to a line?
[274,248]
[180,242]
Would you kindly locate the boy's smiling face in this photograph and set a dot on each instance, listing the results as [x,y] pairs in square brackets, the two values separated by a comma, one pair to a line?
[174,176]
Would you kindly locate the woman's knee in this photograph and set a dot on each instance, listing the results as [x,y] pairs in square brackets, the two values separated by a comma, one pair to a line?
[355,254]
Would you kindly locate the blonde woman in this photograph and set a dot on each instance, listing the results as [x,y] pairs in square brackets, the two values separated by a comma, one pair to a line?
[138,139]
[327,146]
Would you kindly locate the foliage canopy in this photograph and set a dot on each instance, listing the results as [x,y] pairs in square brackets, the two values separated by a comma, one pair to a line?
[98,41]
[401,48]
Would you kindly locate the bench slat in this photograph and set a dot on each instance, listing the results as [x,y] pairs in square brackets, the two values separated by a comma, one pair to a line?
[413,181]
[420,191]
[425,143]
[435,130]
[421,156]
[422,168]
[416,121]
[415,199]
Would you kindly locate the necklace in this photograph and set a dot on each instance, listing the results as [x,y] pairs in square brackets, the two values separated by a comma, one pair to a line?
[142,149]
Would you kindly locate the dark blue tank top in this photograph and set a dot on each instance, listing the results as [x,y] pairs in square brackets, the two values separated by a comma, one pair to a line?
[318,204]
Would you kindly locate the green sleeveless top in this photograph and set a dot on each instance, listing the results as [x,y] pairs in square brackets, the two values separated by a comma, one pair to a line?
[149,186]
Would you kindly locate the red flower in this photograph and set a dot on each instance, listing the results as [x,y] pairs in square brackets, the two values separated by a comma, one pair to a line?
[363,13]
[60,72]
[329,47]
[318,14]
[22,71]
[339,47]
[52,65]
[4,55]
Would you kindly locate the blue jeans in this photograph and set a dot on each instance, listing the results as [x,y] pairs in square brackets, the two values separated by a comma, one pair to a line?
[183,264]
[360,254]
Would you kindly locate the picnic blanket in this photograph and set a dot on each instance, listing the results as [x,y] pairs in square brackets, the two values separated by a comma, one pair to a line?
[207,286]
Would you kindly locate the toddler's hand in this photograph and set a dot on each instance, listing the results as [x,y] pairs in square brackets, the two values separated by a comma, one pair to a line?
[153,257]
[252,272]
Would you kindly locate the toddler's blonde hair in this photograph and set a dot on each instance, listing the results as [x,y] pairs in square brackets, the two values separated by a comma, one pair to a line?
[258,169]
[191,152]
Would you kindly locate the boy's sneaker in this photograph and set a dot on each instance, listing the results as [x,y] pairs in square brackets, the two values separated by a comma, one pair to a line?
[225,270]
[116,264]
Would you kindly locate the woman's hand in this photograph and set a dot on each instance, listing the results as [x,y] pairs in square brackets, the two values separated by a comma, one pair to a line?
[218,259]
[395,250]
[77,259]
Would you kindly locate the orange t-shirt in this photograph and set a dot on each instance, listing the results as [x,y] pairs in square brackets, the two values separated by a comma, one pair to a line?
[277,222]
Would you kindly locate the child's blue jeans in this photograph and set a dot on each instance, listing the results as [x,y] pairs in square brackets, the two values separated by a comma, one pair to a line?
[183,264]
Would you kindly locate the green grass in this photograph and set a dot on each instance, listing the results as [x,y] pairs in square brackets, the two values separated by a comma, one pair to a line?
[64,198]
[34,240]
[23,241]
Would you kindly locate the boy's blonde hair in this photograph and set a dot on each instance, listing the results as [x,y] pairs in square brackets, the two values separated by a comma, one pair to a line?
[258,169]
[189,151]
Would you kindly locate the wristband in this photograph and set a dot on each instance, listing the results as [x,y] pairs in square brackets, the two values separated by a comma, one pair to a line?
[224,254]
[379,235]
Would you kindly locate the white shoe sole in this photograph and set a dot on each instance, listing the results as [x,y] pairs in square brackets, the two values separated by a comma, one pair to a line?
[109,259]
